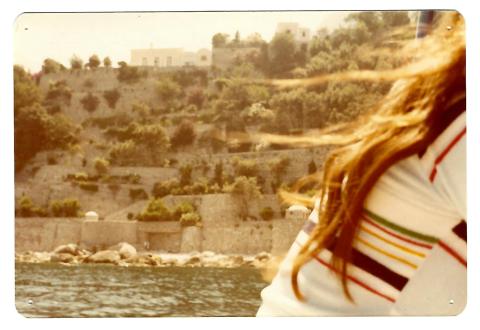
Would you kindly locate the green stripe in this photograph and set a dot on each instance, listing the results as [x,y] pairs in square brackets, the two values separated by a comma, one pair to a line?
[403,230]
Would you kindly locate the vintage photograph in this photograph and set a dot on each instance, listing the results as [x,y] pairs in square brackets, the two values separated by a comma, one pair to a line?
[244,163]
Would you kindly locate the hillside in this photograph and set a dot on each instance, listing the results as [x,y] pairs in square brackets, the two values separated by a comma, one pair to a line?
[99,138]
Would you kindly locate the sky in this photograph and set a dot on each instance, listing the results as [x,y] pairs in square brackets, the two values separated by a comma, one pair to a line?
[38,36]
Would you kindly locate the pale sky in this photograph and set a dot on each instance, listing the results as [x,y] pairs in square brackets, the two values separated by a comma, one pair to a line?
[61,35]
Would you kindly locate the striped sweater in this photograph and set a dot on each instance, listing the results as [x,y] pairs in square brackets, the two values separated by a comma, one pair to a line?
[409,254]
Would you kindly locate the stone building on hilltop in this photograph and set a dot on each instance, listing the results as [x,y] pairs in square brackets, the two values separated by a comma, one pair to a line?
[170,57]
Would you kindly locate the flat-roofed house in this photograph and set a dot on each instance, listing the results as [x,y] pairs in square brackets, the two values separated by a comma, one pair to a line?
[170,57]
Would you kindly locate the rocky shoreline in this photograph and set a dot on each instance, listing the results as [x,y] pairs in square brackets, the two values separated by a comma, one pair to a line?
[125,255]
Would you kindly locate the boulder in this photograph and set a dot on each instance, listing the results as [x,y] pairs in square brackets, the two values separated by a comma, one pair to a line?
[126,250]
[144,260]
[237,260]
[62,257]
[106,256]
[263,256]
[68,249]
[41,256]
[208,254]
[193,261]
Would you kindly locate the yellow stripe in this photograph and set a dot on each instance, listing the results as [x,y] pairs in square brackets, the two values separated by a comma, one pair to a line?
[422,255]
[370,245]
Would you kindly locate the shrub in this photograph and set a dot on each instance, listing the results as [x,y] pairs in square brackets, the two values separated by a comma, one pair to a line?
[59,92]
[189,219]
[65,208]
[28,209]
[101,165]
[267,213]
[196,97]
[89,186]
[128,74]
[130,216]
[218,176]
[197,188]
[312,167]
[76,63]
[164,188]
[183,135]
[246,190]
[90,102]
[114,187]
[245,167]
[111,96]
[185,175]
[278,167]
[52,66]
[168,90]
[124,153]
[155,211]
[133,178]
[93,62]
[50,132]
[182,208]
[138,194]
[107,62]
[88,83]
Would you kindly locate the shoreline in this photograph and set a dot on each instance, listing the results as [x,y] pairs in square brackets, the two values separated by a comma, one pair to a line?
[125,255]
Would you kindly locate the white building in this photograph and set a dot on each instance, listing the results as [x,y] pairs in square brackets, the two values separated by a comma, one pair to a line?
[300,35]
[170,57]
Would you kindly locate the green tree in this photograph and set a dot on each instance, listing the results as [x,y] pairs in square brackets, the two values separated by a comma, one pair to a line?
[282,54]
[312,167]
[90,102]
[101,165]
[93,62]
[245,190]
[25,91]
[36,130]
[155,211]
[184,134]
[107,62]
[153,138]
[219,40]
[76,63]
[52,66]
[218,174]
[185,175]
[111,96]
[168,90]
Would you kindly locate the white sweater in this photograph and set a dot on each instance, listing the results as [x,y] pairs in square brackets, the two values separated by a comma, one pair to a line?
[409,256]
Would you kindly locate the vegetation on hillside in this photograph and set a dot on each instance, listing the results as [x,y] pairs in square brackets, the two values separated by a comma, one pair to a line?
[190,111]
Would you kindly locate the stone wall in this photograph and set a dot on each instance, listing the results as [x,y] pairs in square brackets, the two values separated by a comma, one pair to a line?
[104,233]
[44,234]
[247,237]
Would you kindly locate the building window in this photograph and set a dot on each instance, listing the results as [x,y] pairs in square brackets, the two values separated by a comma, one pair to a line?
[303,34]
[203,58]
[144,61]
[169,61]
[288,31]
[157,61]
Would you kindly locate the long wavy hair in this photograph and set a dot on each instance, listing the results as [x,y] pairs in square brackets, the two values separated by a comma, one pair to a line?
[402,124]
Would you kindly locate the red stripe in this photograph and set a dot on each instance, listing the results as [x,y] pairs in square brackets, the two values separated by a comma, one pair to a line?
[453,253]
[353,279]
[397,236]
[442,155]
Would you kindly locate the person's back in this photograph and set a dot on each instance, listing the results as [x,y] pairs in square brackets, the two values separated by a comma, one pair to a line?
[388,233]
[409,255]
